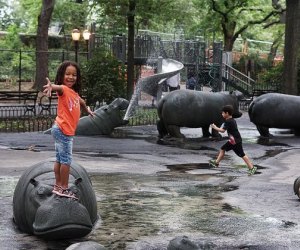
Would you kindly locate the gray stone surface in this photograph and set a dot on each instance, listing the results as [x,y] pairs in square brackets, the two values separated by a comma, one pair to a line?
[259,212]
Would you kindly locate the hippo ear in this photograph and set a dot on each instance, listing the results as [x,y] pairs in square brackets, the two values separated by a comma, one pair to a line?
[78,180]
[34,182]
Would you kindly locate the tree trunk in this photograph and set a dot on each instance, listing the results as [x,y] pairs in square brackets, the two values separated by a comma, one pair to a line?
[291,48]
[130,50]
[42,43]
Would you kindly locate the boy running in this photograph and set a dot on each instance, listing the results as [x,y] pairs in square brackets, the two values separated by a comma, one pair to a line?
[235,140]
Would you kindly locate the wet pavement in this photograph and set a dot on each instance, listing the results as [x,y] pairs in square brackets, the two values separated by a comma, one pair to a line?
[149,193]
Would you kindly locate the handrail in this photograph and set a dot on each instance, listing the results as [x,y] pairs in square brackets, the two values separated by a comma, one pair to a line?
[237,75]
[237,79]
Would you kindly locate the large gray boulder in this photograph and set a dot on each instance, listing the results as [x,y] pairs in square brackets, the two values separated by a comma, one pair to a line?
[37,211]
[193,109]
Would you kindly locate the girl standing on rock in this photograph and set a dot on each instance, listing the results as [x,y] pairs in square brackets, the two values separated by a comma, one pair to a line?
[67,86]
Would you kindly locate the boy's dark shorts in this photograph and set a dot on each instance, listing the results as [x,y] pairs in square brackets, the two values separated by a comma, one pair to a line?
[237,148]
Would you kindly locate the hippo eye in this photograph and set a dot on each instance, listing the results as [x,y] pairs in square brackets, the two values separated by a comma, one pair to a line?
[41,191]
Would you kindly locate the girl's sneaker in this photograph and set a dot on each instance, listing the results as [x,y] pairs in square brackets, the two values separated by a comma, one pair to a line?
[66,193]
[252,170]
[55,189]
[213,163]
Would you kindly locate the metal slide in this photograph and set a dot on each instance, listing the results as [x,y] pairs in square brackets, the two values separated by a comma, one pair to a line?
[151,84]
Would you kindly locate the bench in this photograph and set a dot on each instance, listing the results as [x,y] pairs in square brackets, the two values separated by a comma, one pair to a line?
[26,98]
[47,102]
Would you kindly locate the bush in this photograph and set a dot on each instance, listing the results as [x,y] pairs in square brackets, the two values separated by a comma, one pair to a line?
[272,77]
[104,78]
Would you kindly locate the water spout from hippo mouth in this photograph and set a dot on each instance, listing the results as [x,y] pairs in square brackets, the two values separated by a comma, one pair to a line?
[63,232]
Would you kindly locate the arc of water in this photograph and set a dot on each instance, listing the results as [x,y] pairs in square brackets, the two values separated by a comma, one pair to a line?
[150,84]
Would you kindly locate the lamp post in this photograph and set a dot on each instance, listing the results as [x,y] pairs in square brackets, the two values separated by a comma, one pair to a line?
[75,38]
[86,36]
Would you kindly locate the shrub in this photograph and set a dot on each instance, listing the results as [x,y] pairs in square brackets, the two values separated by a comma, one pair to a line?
[272,77]
[104,78]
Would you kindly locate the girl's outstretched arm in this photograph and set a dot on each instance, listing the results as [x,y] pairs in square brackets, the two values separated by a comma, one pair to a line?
[49,87]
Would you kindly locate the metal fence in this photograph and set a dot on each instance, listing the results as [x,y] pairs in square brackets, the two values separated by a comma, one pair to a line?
[12,119]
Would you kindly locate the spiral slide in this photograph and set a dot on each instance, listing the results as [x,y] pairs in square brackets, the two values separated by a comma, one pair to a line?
[151,84]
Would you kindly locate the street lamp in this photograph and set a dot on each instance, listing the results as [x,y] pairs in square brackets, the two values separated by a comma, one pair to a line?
[75,38]
[86,36]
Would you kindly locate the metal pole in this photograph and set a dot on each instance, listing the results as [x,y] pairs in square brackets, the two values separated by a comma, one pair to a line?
[159,70]
[76,51]
[20,69]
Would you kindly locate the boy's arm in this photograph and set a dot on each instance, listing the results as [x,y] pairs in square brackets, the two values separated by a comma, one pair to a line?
[215,127]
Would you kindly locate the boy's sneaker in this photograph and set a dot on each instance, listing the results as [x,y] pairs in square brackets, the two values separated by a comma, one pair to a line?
[252,170]
[66,193]
[213,163]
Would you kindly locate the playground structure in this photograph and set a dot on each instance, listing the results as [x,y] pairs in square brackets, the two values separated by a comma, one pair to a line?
[211,65]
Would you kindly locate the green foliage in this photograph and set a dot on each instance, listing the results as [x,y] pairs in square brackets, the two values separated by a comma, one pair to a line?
[104,78]
[70,14]
[12,39]
[272,77]
[144,116]
[258,64]
[12,49]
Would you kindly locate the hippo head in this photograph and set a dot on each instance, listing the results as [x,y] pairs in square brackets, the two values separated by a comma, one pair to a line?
[235,96]
[113,109]
[40,212]
[56,217]
[106,118]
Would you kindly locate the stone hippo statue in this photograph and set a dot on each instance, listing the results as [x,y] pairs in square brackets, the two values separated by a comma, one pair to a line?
[182,243]
[86,245]
[40,212]
[297,187]
[193,109]
[105,120]
[274,110]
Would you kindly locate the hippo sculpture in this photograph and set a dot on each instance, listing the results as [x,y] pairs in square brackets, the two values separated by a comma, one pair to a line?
[193,109]
[297,187]
[183,243]
[40,212]
[274,110]
[105,120]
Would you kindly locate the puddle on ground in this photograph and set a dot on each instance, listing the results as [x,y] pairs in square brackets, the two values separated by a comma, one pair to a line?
[132,206]
[135,206]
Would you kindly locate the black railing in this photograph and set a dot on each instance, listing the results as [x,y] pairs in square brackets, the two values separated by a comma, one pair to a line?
[13,120]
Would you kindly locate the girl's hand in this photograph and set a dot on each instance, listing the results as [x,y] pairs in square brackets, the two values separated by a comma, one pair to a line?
[90,112]
[47,88]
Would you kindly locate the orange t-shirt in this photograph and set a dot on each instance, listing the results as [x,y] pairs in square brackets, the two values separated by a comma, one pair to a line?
[68,111]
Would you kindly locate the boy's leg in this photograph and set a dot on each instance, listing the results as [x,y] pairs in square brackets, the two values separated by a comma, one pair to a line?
[215,163]
[247,161]
[251,169]
[220,156]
